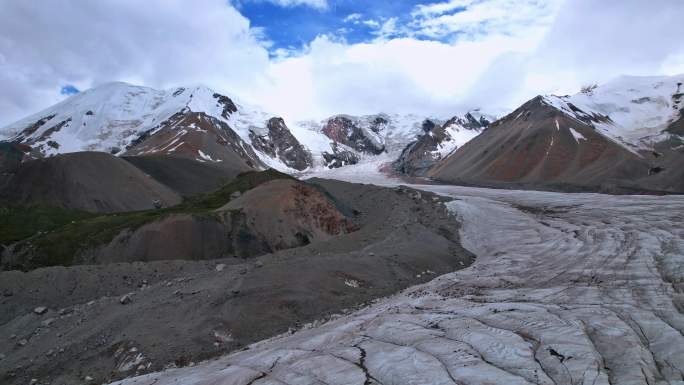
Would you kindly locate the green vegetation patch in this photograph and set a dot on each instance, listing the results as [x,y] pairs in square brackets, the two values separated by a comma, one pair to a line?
[55,236]
[17,223]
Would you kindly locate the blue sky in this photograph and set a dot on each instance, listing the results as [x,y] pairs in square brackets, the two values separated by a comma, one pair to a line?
[292,27]
[69,89]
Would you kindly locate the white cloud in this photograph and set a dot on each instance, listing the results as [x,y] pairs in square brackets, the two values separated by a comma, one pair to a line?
[319,4]
[426,10]
[496,54]
[473,19]
[371,23]
[353,18]
[590,42]
[388,28]
[46,45]
[395,75]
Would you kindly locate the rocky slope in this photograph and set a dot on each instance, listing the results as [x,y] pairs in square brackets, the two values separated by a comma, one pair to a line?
[362,138]
[278,142]
[275,212]
[185,176]
[619,137]
[197,136]
[91,181]
[276,215]
[438,141]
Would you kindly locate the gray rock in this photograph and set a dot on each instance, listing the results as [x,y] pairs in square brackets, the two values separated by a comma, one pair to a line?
[126,299]
[220,266]
[48,322]
[40,310]
[278,142]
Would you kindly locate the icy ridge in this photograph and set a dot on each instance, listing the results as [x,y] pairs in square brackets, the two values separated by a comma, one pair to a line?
[633,111]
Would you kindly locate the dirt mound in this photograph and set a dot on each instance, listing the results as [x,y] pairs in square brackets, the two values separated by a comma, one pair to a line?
[261,216]
[90,181]
[287,213]
[538,146]
[276,215]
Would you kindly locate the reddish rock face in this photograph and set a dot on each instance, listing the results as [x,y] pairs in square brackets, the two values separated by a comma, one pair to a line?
[288,213]
[197,136]
[343,130]
[539,145]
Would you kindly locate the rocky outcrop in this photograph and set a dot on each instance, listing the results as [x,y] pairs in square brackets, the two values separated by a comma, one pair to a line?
[286,213]
[339,157]
[277,142]
[11,156]
[438,142]
[228,107]
[343,129]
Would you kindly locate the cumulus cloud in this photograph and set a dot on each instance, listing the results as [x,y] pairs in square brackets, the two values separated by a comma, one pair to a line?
[47,45]
[441,58]
[589,42]
[353,18]
[319,4]
[393,75]
[473,19]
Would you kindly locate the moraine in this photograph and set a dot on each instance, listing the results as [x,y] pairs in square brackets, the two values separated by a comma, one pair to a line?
[566,289]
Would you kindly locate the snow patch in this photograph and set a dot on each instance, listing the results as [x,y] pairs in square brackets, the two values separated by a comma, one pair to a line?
[577,135]
[208,157]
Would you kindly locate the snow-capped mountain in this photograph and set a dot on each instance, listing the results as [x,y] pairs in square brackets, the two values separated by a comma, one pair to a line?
[342,140]
[438,141]
[634,111]
[625,135]
[109,117]
[203,125]
[124,119]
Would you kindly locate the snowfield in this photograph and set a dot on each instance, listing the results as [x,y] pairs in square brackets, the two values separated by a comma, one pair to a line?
[639,108]
[566,289]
